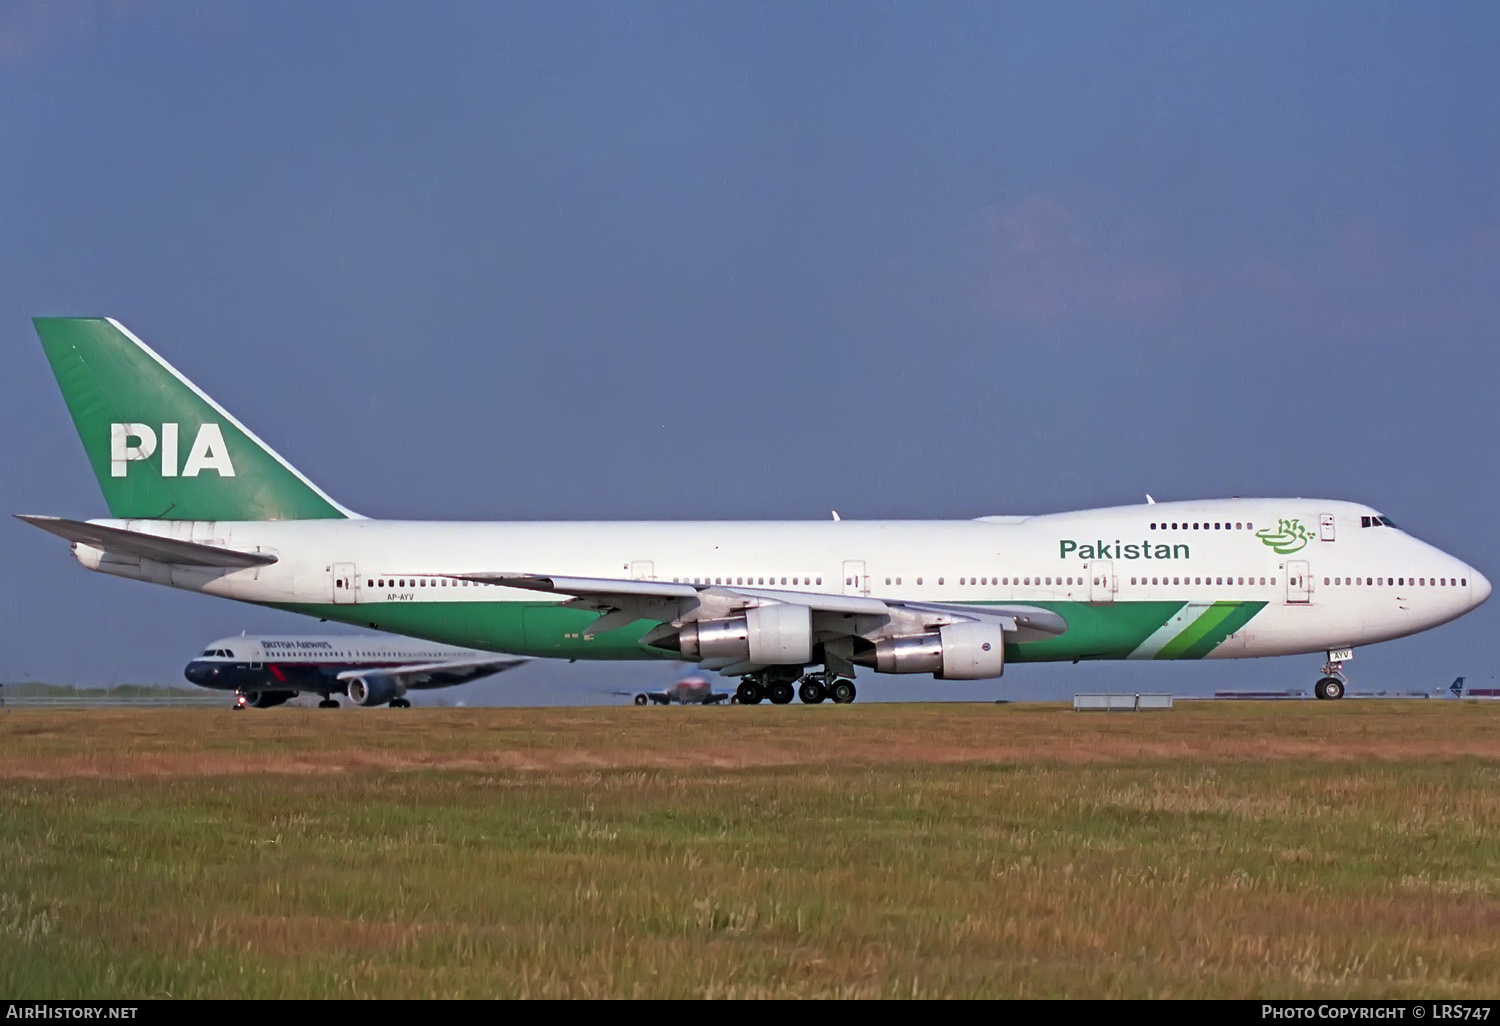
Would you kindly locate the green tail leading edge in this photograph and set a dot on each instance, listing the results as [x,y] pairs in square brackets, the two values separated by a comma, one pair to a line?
[198,502]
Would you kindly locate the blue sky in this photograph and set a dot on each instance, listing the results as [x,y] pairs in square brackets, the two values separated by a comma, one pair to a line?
[680,260]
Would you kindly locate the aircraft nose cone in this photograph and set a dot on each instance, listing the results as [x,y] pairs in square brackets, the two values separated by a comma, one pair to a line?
[1479,586]
[201,673]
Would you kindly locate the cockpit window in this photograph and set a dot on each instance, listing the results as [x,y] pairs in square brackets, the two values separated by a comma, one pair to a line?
[1376,521]
[210,651]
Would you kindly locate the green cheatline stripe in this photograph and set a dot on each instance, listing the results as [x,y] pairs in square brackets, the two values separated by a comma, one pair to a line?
[1242,614]
[1211,618]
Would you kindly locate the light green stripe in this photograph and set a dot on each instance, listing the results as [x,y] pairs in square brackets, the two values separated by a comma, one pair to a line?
[1181,619]
[1243,614]
[1203,625]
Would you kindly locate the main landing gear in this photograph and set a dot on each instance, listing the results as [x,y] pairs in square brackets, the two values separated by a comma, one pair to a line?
[758,687]
[1332,685]
[400,703]
[816,687]
[778,689]
[327,703]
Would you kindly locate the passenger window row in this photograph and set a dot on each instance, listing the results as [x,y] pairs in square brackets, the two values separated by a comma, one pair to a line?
[1032,581]
[1217,525]
[414,582]
[1247,581]
[1402,582]
[802,581]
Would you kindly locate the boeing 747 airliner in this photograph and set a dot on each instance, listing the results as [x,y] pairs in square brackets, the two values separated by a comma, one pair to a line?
[198,502]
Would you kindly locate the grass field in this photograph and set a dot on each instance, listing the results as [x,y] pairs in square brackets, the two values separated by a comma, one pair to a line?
[1217,850]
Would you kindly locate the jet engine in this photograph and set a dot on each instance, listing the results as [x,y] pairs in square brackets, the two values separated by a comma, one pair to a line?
[266,699]
[777,635]
[376,691]
[960,651]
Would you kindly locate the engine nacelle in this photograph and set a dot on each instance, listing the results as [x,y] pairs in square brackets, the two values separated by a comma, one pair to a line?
[778,635]
[960,651]
[267,699]
[376,691]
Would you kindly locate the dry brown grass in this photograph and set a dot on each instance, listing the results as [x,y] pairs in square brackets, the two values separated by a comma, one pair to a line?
[36,744]
[1218,850]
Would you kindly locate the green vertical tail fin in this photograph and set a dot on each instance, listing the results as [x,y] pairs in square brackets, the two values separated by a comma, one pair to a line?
[160,447]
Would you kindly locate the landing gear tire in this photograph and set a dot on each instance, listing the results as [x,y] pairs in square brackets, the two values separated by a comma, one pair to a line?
[1329,689]
[749,693]
[843,691]
[400,703]
[780,692]
[811,691]
[328,703]
[640,699]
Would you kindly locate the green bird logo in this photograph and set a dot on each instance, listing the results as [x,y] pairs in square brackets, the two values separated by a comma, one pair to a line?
[1286,537]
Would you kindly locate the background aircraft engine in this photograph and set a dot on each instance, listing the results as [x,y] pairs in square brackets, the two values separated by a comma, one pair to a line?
[960,651]
[267,699]
[779,635]
[377,691]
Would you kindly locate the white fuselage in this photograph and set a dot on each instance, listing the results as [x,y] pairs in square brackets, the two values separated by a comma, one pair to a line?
[1316,577]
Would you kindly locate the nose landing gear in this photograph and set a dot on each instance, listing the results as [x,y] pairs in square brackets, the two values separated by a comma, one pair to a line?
[1329,688]
[1332,685]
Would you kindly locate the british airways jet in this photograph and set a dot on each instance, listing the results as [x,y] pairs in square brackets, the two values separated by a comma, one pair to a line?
[792,609]
[265,671]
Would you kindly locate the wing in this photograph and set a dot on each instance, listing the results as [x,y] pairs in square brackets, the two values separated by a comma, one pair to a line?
[416,676]
[672,604]
[149,546]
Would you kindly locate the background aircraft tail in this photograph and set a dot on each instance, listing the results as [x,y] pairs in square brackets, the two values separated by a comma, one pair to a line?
[160,447]
[1457,687]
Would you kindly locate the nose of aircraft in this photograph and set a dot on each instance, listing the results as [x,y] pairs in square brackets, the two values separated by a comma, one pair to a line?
[197,672]
[1479,586]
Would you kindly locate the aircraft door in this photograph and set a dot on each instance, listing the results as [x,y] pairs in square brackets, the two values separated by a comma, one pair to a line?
[643,570]
[1102,581]
[1298,582]
[856,581]
[345,584]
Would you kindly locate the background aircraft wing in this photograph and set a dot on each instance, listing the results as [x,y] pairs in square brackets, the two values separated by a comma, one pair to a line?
[416,676]
[151,546]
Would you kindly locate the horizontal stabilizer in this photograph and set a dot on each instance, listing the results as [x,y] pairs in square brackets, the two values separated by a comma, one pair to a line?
[147,546]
